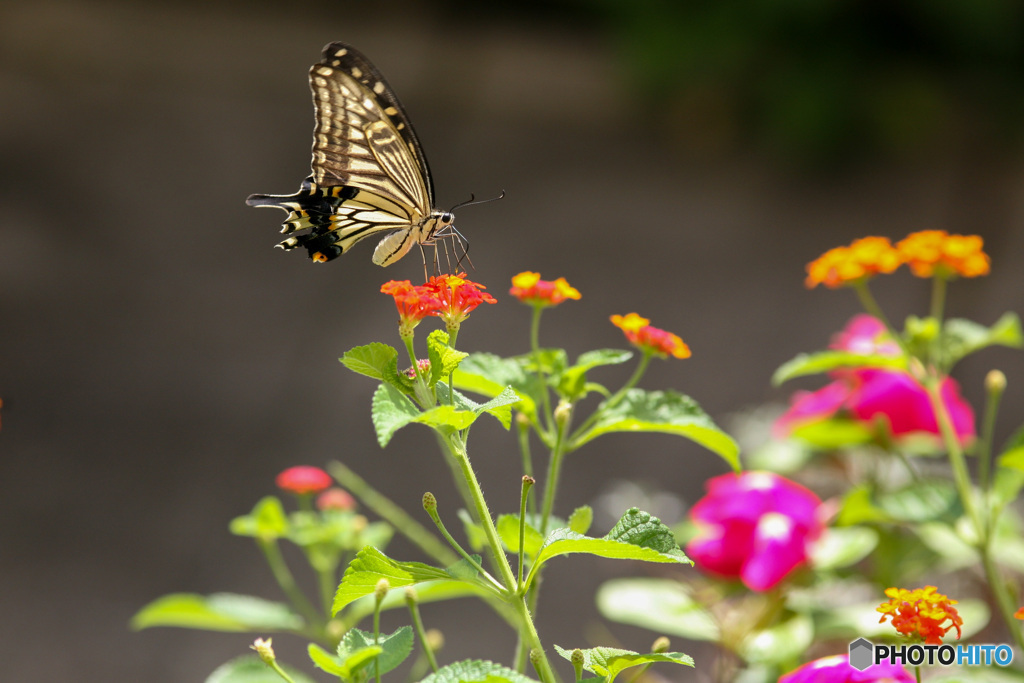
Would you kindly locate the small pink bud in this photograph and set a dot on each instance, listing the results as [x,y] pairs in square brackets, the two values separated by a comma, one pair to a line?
[335,499]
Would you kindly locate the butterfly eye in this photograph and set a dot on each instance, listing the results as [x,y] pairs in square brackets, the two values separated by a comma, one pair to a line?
[447,217]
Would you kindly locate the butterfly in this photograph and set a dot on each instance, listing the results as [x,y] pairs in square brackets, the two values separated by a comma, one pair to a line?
[369,172]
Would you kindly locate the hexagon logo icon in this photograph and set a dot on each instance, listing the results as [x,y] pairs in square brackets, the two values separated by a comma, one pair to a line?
[862,654]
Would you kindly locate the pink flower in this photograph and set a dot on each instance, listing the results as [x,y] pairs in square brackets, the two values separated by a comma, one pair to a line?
[335,499]
[303,479]
[837,669]
[754,526]
[869,394]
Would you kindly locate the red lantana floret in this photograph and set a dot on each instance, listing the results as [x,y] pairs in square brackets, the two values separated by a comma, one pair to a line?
[649,339]
[458,297]
[414,303]
[530,289]
[921,613]
[303,479]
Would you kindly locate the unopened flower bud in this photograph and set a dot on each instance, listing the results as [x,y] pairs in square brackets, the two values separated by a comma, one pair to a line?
[536,657]
[429,502]
[381,589]
[562,412]
[660,645]
[434,638]
[995,382]
[522,421]
[411,598]
[264,650]
[577,658]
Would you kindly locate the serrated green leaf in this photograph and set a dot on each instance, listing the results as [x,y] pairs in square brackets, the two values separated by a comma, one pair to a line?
[572,382]
[663,411]
[500,406]
[431,591]
[581,519]
[824,361]
[217,612]
[463,570]
[636,536]
[610,661]
[267,521]
[843,546]
[370,566]
[392,410]
[476,671]
[374,360]
[782,642]
[508,532]
[661,605]
[487,374]
[961,337]
[443,358]
[394,648]
[251,669]
[447,418]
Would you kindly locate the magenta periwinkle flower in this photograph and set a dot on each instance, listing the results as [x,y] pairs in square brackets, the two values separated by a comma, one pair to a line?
[868,395]
[837,669]
[754,526]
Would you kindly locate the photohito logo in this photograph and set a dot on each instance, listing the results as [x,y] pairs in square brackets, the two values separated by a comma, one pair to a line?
[864,653]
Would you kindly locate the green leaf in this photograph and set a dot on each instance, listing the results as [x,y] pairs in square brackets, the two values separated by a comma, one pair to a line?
[346,666]
[447,418]
[500,406]
[824,361]
[833,433]
[464,570]
[394,648]
[961,337]
[581,519]
[443,358]
[251,669]
[392,410]
[610,661]
[661,605]
[782,642]
[859,508]
[508,532]
[431,591]
[921,501]
[572,383]
[476,671]
[370,566]
[375,360]
[267,521]
[475,533]
[663,411]
[636,536]
[843,546]
[487,374]
[1009,476]
[217,612]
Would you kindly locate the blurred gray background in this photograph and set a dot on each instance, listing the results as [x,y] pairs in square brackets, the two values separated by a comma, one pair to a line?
[160,362]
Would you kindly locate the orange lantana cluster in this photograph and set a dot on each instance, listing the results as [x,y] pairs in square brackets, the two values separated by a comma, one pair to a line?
[530,289]
[649,339]
[927,253]
[921,613]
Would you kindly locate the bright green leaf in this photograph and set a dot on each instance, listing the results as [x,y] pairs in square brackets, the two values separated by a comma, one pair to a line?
[476,671]
[217,612]
[572,383]
[487,374]
[447,418]
[782,642]
[610,661]
[267,521]
[392,410]
[636,536]
[581,519]
[375,360]
[859,508]
[824,361]
[251,669]
[832,433]
[443,358]
[661,605]
[394,648]
[961,337]
[508,532]
[431,591]
[663,411]
[843,546]
[370,566]
[921,501]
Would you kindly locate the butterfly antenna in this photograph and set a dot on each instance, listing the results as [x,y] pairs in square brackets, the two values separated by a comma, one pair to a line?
[472,200]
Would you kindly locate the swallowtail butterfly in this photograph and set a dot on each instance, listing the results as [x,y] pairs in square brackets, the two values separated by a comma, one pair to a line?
[369,172]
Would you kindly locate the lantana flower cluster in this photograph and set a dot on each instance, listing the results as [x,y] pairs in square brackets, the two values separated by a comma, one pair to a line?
[927,253]
[921,614]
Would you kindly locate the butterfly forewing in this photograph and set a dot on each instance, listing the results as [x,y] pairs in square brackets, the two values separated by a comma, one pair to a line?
[369,172]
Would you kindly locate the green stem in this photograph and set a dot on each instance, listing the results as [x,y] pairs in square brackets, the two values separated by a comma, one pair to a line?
[544,670]
[938,305]
[287,582]
[961,478]
[280,672]
[328,581]
[391,513]
[917,673]
[376,637]
[436,517]
[994,393]
[417,624]
[867,300]
[535,350]
[484,514]
[523,432]
[528,482]
[554,471]
[453,334]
